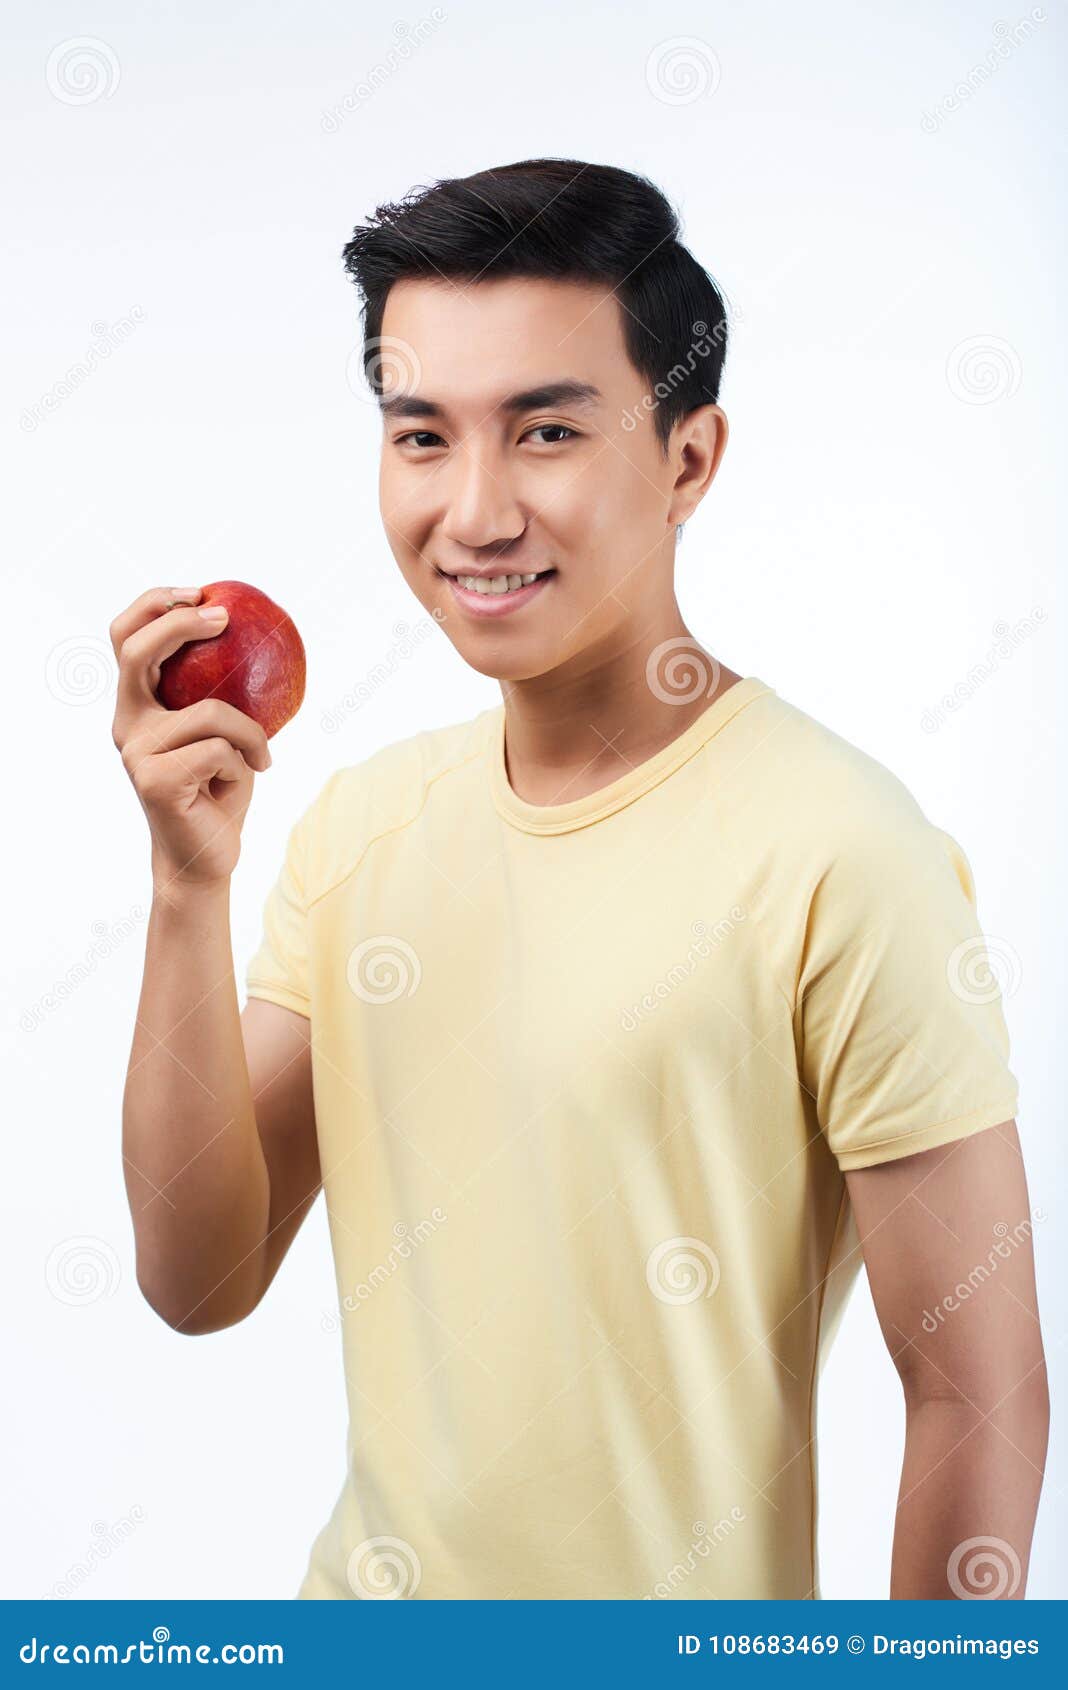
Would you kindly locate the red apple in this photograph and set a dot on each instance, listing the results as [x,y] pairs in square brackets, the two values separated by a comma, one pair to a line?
[256,663]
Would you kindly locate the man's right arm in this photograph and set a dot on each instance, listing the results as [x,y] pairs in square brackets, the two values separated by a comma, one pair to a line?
[219,1147]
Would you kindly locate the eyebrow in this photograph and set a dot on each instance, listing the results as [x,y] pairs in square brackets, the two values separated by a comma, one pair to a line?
[550,394]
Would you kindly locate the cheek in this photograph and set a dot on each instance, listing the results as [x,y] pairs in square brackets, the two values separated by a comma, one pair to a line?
[399,507]
[608,508]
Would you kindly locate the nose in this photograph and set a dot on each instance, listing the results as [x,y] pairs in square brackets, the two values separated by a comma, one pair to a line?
[481,507]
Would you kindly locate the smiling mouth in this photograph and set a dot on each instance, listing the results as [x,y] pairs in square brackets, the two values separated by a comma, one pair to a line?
[507,582]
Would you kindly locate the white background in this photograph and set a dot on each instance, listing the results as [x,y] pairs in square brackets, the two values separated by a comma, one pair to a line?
[887,498]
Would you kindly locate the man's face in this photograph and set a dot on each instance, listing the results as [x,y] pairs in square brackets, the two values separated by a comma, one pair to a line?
[558,483]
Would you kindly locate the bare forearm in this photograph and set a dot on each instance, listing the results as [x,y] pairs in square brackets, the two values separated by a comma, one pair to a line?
[969,1494]
[195,1174]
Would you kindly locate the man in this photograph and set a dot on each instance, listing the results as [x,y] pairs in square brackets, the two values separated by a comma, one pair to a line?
[615,1023]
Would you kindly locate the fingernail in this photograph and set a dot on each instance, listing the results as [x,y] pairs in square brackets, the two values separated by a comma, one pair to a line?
[212,612]
[184,592]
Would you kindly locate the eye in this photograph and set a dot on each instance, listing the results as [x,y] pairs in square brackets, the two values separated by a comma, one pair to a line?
[419,438]
[560,429]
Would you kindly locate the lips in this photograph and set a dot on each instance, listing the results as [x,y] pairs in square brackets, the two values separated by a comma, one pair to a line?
[490,574]
[477,603]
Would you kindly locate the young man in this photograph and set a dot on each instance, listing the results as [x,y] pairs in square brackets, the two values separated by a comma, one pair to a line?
[615,1023]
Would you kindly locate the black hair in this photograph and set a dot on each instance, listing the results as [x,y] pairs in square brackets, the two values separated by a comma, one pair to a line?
[569,221]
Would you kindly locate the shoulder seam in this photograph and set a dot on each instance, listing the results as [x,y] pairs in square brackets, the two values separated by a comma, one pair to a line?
[758,924]
[398,827]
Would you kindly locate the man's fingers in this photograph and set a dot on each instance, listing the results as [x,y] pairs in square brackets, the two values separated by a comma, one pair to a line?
[144,650]
[162,778]
[210,718]
[145,609]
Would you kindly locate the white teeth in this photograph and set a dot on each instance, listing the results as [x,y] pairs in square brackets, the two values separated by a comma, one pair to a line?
[495,583]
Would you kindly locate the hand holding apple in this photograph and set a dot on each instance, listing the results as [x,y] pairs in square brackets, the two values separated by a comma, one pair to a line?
[256,664]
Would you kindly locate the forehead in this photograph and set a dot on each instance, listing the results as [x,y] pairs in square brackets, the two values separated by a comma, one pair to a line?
[478,337]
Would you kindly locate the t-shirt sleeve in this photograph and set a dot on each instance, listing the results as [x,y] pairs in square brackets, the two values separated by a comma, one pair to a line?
[901,1032]
[279,969]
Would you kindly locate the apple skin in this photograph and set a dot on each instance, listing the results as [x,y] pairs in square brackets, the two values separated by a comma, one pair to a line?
[257,663]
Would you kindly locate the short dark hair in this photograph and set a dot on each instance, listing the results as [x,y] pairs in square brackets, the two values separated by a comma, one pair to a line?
[569,221]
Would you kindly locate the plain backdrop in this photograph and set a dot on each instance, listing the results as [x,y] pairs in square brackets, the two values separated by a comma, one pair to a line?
[879,193]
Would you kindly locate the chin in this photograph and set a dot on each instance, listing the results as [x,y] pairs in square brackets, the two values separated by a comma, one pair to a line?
[510,666]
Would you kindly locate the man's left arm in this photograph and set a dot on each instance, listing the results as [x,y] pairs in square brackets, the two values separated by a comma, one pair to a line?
[946,1238]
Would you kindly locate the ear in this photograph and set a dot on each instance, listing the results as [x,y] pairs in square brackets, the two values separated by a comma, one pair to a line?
[698,442]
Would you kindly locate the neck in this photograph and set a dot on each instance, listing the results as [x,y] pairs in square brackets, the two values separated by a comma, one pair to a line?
[577,729]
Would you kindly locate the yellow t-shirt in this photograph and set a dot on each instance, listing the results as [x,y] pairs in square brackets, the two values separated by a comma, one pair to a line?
[586,1081]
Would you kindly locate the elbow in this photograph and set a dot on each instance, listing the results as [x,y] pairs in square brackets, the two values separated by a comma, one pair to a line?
[1007,1390]
[1033,1406]
[194,1319]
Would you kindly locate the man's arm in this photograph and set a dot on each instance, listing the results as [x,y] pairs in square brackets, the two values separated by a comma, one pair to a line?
[279,1056]
[219,1143]
[946,1238]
